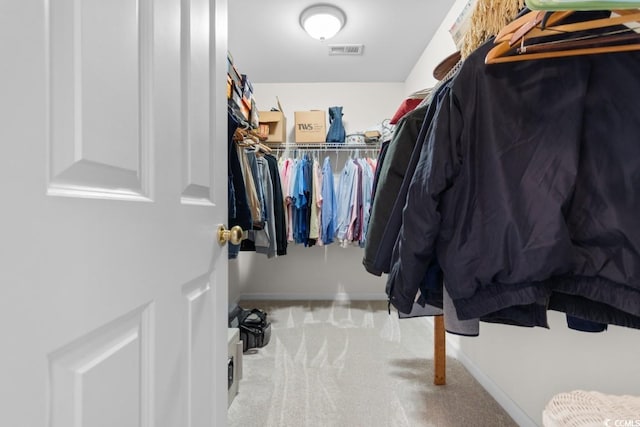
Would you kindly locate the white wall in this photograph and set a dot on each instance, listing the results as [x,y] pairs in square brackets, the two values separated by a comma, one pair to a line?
[364,104]
[440,46]
[317,272]
[523,367]
[324,273]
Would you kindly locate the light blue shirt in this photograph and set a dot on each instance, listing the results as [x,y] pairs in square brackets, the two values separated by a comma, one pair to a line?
[301,189]
[329,213]
[345,199]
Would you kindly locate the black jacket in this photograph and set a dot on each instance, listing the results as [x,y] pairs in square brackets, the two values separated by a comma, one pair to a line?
[528,191]
[391,173]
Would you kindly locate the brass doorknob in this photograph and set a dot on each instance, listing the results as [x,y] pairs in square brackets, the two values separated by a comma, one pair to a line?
[235,235]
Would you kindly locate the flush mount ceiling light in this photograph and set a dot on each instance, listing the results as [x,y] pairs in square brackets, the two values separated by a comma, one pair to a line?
[322,21]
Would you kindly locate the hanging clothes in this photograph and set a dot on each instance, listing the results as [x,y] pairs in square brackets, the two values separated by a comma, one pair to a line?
[391,174]
[300,195]
[394,172]
[239,211]
[258,184]
[286,167]
[255,196]
[368,170]
[250,186]
[353,200]
[278,206]
[308,177]
[329,210]
[265,239]
[316,202]
[533,211]
[344,200]
[316,206]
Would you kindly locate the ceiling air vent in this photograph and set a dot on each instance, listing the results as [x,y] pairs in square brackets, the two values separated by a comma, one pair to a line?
[346,49]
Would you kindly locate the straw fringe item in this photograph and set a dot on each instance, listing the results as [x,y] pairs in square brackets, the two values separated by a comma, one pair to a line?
[590,408]
[487,19]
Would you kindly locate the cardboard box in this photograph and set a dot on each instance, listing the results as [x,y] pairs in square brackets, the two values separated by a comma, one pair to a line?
[310,126]
[277,123]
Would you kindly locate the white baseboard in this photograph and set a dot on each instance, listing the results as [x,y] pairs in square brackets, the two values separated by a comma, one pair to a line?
[514,411]
[360,296]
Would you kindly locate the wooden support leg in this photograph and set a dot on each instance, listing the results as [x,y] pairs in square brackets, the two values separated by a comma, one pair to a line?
[439,352]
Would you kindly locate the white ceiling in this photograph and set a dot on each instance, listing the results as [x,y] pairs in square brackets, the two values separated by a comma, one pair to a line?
[268,44]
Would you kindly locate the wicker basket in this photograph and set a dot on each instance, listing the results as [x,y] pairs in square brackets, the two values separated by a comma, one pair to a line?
[590,408]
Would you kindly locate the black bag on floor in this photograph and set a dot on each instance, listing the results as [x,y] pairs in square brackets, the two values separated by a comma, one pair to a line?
[255,329]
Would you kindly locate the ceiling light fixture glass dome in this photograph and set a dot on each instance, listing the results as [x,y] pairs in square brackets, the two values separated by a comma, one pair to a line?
[322,21]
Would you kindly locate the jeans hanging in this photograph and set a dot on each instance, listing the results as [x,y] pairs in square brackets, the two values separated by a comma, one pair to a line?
[336,128]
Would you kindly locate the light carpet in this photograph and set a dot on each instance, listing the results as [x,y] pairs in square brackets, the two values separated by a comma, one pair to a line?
[351,364]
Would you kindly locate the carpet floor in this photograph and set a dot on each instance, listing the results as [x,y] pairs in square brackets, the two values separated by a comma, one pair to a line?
[351,364]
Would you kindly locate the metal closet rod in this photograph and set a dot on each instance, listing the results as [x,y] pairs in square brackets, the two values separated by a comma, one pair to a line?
[326,146]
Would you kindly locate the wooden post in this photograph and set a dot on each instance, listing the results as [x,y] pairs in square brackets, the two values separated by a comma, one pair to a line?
[439,352]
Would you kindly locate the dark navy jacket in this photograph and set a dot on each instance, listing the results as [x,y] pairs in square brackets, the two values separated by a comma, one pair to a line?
[528,192]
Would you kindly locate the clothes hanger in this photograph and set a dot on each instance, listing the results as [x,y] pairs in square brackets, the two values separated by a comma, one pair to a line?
[563,53]
[528,20]
[517,23]
[264,148]
[498,54]
[522,25]
[584,25]
[580,4]
[246,138]
[618,36]
[542,18]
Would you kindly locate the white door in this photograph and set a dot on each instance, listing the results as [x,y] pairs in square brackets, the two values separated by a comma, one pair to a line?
[113,298]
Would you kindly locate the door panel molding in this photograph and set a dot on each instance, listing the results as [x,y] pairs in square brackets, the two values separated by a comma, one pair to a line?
[99,118]
[117,356]
[197,349]
[196,102]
